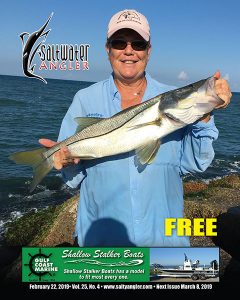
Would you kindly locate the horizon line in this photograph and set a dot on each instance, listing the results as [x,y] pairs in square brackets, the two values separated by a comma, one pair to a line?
[68,79]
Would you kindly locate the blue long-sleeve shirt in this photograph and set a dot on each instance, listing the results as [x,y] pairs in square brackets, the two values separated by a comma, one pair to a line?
[120,204]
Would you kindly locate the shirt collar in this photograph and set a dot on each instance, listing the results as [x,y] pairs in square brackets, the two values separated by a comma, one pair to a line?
[113,89]
[151,90]
[115,94]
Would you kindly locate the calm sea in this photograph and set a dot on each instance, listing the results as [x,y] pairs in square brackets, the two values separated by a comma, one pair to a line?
[31,110]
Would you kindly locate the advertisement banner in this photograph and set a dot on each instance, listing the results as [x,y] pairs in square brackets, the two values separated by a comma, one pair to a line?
[85,265]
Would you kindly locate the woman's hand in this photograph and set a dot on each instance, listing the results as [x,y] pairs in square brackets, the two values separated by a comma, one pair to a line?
[222,89]
[62,158]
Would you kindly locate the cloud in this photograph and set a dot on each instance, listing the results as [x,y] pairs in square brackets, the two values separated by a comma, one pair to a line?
[226,76]
[182,75]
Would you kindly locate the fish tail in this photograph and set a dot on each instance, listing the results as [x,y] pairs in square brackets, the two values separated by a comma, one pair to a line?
[41,164]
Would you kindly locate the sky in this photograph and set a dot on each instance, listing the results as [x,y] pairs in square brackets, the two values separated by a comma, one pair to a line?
[190,39]
[175,256]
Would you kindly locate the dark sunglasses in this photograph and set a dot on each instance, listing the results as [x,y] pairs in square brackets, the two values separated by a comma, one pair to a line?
[121,45]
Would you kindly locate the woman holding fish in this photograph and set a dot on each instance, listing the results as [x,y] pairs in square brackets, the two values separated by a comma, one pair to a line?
[130,167]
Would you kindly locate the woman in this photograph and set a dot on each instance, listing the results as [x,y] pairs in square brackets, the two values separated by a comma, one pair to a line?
[122,205]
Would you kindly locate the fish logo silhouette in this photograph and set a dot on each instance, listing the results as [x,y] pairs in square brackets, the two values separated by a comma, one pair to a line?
[29,49]
[129,15]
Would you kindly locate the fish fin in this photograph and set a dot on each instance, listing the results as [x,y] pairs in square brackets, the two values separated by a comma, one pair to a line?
[41,165]
[147,153]
[155,122]
[84,122]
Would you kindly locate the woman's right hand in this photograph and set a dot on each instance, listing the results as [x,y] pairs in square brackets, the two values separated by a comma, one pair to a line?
[62,158]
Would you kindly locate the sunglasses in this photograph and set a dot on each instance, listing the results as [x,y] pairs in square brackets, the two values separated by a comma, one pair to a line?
[121,45]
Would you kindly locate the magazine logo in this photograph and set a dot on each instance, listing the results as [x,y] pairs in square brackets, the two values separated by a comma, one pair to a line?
[52,57]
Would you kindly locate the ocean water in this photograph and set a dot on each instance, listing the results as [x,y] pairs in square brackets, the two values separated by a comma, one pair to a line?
[31,110]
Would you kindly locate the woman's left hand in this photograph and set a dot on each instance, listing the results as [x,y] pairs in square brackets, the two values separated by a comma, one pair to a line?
[222,89]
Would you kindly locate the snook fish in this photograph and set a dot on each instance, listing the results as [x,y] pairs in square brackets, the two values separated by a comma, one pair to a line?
[138,128]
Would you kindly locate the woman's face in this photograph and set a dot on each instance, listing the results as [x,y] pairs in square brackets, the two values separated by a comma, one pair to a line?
[128,64]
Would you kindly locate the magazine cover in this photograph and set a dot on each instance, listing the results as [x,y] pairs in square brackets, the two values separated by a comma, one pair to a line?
[120,146]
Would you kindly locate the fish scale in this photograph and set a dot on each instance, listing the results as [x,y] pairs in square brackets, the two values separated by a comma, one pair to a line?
[105,126]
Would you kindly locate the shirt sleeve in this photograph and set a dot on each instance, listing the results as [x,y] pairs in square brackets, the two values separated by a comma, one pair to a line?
[74,174]
[197,150]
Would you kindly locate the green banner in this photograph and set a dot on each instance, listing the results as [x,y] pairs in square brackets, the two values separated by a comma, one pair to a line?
[85,264]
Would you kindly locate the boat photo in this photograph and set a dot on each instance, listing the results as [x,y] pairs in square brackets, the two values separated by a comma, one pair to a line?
[190,269]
